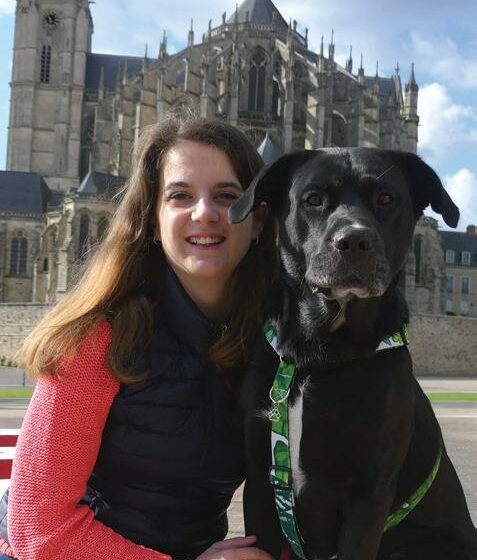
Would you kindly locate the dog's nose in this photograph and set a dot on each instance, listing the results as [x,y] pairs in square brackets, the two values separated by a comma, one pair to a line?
[355,240]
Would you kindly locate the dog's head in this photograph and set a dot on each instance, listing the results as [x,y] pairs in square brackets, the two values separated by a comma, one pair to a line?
[346,216]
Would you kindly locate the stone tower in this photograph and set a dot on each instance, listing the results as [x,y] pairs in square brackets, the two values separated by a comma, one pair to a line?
[52,39]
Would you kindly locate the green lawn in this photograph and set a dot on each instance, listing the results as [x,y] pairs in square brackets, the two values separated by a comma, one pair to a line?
[15,392]
[26,392]
[452,397]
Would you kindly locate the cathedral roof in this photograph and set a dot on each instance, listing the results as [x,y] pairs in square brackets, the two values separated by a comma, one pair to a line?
[269,152]
[113,66]
[386,85]
[260,12]
[23,193]
[101,184]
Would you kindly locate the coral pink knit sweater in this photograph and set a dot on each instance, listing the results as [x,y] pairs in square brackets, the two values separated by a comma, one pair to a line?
[55,455]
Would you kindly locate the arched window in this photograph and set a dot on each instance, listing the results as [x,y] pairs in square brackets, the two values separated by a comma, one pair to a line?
[18,255]
[103,224]
[83,235]
[45,64]
[256,83]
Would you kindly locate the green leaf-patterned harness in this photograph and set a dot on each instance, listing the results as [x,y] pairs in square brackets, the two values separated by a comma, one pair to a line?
[280,471]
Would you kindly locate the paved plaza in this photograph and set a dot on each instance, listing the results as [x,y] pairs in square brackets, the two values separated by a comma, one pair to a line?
[458,422]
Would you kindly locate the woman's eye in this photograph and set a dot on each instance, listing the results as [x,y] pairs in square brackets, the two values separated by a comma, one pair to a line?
[179,196]
[228,196]
[384,199]
[314,200]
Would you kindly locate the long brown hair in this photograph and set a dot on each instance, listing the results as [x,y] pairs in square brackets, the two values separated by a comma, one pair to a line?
[113,278]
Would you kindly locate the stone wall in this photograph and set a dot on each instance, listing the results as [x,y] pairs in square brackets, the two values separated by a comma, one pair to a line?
[16,321]
[443,345]
[440,344]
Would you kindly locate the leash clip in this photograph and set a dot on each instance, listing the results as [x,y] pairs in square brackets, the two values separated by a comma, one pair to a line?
[279,401]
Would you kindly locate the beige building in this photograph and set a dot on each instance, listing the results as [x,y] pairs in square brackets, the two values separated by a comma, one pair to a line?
[460,256]
[75,116]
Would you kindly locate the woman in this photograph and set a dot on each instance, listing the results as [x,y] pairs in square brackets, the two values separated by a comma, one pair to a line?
[131,447]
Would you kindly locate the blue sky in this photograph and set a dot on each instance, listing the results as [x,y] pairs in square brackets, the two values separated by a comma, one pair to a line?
[439,36]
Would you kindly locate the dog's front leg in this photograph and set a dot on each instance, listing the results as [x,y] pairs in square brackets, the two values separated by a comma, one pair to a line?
[261,517]
[364,524]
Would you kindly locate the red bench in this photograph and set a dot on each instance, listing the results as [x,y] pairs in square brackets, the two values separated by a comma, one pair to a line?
[8,441]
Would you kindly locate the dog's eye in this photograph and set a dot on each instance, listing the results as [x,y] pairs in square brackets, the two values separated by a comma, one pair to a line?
[384,199]
[315,200]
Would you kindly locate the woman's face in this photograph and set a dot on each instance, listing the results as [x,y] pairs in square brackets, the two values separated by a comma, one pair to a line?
[197,186]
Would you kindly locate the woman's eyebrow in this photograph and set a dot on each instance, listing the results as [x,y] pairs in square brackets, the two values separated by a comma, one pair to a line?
[220,185]
[229,184]
[175,184]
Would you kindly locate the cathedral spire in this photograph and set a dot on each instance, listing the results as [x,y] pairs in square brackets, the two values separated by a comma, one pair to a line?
[163,45]
[361,71]
[331,47]
[190,36]
[412,84]
[349,62]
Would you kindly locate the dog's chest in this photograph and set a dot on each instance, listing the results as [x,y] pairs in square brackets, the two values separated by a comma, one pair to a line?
[333,432]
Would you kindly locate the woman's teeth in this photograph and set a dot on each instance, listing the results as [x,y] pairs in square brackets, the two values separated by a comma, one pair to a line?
[205,240]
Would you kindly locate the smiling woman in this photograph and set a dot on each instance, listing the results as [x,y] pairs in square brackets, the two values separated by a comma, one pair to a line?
[134,432]
[197,187]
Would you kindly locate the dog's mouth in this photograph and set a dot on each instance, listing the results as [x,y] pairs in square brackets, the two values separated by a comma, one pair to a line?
[344,289]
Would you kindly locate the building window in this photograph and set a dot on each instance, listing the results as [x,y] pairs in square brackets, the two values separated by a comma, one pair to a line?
[464,307]
[18,255]
[449,306]
[465,284]
[449,284]
[256,83]
[45,64]
[465,258]
[103,224]
[83,236]
[450,256]
[417,256]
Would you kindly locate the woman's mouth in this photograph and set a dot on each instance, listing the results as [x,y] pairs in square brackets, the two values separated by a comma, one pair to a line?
[205,240]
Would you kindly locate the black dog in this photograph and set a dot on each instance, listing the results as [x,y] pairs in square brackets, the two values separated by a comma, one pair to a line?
[363,436]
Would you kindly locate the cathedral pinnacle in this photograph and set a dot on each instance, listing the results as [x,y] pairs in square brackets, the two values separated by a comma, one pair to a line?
[331,47]
[163,45]
[349,62]
[412,84]
[190,36]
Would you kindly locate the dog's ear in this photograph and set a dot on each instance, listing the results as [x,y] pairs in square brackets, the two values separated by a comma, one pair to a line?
[269,185]
[426,188]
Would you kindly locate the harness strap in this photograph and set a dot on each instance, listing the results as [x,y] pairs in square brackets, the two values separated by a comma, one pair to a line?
[280,470]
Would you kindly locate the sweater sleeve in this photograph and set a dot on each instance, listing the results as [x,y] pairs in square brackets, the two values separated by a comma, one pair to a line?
[56,453]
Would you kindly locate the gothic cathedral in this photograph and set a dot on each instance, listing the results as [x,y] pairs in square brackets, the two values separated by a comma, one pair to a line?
[75,116]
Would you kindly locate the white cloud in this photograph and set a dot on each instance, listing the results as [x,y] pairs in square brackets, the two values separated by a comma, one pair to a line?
[7,7]
[462,188]
[444,125]
[445,61]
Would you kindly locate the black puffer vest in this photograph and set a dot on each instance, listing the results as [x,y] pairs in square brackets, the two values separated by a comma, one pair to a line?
[172,450]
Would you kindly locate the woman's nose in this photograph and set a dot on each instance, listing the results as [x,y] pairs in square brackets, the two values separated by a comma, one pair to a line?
[205,210]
